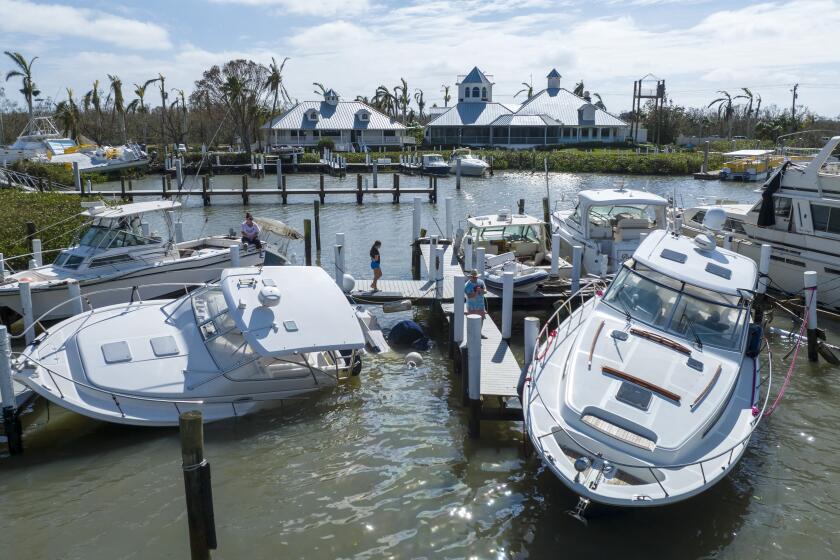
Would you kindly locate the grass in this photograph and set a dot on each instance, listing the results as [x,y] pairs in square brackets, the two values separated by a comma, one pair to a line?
[44,210]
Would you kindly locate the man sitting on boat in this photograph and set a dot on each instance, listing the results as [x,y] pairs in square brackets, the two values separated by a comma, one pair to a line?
[251,232]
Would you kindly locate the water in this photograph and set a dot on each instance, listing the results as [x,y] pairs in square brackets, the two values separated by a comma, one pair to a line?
[383,466]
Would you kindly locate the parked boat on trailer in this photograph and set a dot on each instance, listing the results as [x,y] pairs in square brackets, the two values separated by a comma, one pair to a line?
[260,335]
[649,394]
[116,250]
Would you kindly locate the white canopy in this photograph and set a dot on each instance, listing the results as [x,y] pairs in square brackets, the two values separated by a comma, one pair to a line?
[748,153]
[312,313]
[130,209]
[619,197]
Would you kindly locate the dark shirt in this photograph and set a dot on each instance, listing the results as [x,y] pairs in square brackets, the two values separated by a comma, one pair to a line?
[374,254]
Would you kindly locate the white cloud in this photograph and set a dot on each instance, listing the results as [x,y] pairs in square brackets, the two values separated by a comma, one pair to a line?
[324,8]
[54,21]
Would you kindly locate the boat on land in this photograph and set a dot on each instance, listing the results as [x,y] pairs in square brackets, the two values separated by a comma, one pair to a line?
[258,336]
[471,166]
[504,232]
[115,249]
[798,214]
[650,393]
[526,279]
[609,225]
[40,141]
[749,165]
[434,164]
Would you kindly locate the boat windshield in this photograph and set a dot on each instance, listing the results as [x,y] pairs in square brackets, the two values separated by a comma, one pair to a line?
[112,236]
[507,233]
[606,216]
[693,313]
[223,340]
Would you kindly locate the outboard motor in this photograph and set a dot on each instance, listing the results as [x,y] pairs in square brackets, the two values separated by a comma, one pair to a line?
[408,334]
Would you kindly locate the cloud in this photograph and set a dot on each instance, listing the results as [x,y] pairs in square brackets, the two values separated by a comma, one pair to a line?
[52,21]
[324,8]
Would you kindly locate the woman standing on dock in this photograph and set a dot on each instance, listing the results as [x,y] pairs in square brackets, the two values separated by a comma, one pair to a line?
[375,264]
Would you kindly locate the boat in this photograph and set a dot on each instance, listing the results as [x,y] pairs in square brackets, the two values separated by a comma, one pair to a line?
[526,279]
[41,141]
[648,394]
[116,250]
[798,214]
[609,225]
[374,337]
[258,336]
[471,166]
[434,164]
[504,232]
[749,165]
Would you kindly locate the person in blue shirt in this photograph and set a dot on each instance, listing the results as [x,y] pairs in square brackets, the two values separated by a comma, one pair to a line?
[475,289]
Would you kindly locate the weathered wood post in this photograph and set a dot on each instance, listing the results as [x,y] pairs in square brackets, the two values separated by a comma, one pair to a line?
[179,172]
[205,186]
[168,185]
[430,266]
[339,261]
[321,193]
[440,250]
[359,193]
[122,188]
[279,172]
[458,174]
[130,188]
[480,261]
[491,158]
[11,421]
[284,196]
[245,189]
[577,256]
[375,174]
[469,260]
[546,215]
[197,486]
[433,194]
[507,301]
[307,241]
[317,215]
[31,231]
[396,188]
[474,373]
[705,168]
[234,255]
[811,308]
[163,186]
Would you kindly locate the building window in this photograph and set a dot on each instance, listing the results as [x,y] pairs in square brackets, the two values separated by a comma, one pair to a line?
[389,133]
[475,91]
[605,133]
[567,133]
[484,94]
[466,92]
[584,133]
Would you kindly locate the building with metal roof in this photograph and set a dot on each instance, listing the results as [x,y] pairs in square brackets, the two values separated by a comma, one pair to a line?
[552,116]
[351,125]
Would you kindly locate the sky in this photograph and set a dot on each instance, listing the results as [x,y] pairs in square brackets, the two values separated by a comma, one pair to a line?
[697,46]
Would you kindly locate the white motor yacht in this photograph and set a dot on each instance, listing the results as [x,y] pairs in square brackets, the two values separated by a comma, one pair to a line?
[434,164]
[798,214]
[609,224]
[258,336]
[471,166]
[504,232]
[116,250]
[649,394]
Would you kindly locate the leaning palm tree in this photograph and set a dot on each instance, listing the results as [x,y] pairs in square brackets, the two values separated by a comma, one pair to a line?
[579,91]
[725,109]
[446,96]
[404,97]
[162,83]
[68,115]
[528,90]
[139,105]
[600,102]
[321,89]
[363,99]
[275,83]
[385,101]
[421,103]
[29,90]
[119,104]
[93,98]
[748,110]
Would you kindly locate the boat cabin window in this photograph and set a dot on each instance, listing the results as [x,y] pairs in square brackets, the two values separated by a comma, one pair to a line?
[693,313]
[782,206]
[107,236]
[223,340]
[68,260]
[506,233]
[731,224]
[111,259]
[825,218]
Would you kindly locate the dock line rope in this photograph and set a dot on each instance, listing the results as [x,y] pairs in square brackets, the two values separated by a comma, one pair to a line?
[789,375]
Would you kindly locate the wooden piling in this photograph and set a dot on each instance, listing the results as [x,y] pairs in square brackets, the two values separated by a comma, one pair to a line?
[321,193]
[130,188]
[205,186]
[245,189]
[307,241]
[197,486]
[11,420]
[546,215]
[163,185]
[122,188]
[810,282]
[433,193]
[283,189]
[396,188]
[31,230]
[359,194]
[317,209]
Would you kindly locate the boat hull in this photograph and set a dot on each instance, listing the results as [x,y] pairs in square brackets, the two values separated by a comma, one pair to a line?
[439,170]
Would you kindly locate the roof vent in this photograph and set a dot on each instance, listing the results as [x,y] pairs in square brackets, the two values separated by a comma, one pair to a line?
[504,215]
[269,296]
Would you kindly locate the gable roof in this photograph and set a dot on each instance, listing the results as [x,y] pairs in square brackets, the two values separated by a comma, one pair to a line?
[553,74]
[343,115]
[562,105]
[475,76]
[471,114]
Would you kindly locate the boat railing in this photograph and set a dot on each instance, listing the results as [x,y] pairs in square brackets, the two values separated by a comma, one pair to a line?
[10,177]
[549,339]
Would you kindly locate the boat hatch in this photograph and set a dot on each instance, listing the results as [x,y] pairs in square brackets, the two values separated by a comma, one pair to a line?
[634,396]
[718,270]
[164,346]
[618,432]
[675,256]
[116,352]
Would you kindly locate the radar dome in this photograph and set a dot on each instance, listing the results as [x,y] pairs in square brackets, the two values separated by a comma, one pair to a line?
[714,219]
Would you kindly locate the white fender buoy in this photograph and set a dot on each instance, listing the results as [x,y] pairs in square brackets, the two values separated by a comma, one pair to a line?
[413,359]
[348,283]
[395,306]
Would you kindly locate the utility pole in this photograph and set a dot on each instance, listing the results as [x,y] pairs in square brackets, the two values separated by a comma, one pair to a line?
[793,107]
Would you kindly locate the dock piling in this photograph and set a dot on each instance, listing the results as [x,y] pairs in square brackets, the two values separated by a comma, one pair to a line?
[396,188]
[727,241]
[280,172]
[359,194]
[234,255]
[74,294]
[705,168]
[532,331]
[179,231]
[2,268]
[321,192]
[197,486]
[577,257]
[480,261]
[507,302]
[447,205]
[307,241]
[11,421]
[245,189]
[415,218]
[431,269]
[26,305]
[205,186]
[440,250]
[474,373]
[763,281]
[521,205]
[36,252]
[179,173]
[546,214]
[375,175]
[317,215]
[77,176]
[339,262]
[458,174]
[555,255]
[469,260]
[458,282]
[811,307]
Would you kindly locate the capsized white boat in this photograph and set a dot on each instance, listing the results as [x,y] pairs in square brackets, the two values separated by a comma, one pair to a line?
[259,335]
[116,250]
[526,279]
[471,166]
[650,394]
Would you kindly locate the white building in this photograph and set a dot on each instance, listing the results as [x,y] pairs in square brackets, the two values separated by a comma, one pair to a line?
[351,125]
[553,116]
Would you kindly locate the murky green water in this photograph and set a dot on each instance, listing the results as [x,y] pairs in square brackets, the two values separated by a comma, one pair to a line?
[383,467]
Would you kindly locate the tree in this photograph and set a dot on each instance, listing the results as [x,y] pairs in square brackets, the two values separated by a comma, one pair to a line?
[322,91]
[274,81]
[93,98]
[446,96]
[119,104]
[29,90]
[725,109]
[578,89]
[421,103]
[139,105]
[402,97]
[528,90]
[241,86]
[600,102]
[68,115]
[748,110]
[161,79]
[385,101]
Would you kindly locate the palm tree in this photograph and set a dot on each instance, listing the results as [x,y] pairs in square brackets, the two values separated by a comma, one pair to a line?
[322,91]
[446,96]
[139,105]
[24,71]
[385,101]
[93,99]
[600,102]
[418,97]
[528,90]
[363,99]
[578,89]
[182,127]
[275,83]
[725,109]
[404,98]
[119,103]
[162,83]
[68,114]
